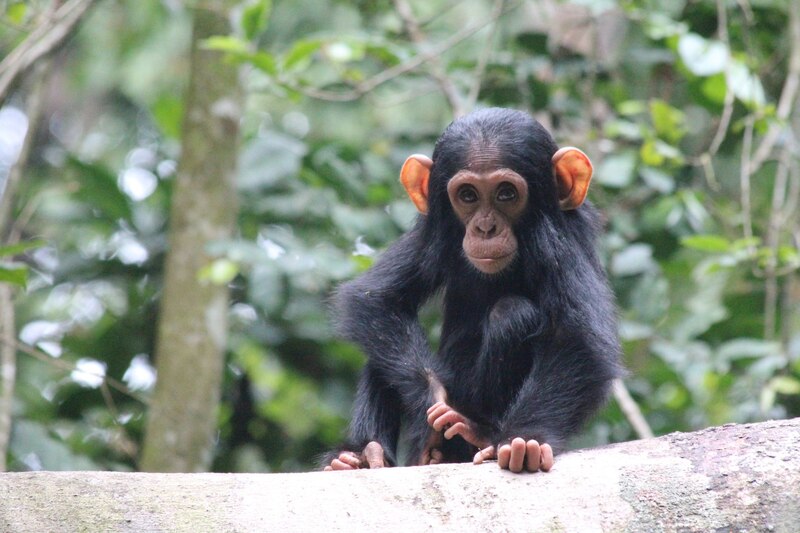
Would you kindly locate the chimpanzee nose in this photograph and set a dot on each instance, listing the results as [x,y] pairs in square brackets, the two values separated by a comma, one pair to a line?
[486,227]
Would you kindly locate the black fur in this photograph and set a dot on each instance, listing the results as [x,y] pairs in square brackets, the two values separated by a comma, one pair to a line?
[529,352]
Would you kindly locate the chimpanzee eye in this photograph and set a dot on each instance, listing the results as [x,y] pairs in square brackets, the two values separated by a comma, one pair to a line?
[467,194]
[506,193]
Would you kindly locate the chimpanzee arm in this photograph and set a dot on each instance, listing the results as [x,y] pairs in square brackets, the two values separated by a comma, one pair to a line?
[568,378]
[378,311]
[511,321]
[569,381]
[376,416]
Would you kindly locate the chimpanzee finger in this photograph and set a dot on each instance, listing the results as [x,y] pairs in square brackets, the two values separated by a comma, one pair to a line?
[532,454]
[436,457]
[373,455]
[336,464]
[436,406]
[547,459]
[504,456]
[350,458]
[456,429]
[517,460]
[447,419]
[437,411]
[484,455]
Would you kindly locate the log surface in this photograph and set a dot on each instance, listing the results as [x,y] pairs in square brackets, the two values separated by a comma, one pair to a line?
[728,478]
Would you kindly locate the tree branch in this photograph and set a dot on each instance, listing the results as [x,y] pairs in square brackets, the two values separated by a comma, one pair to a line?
[437,69]
[8,371]
[727,111]
[788,94]
[41,41]
[389,74]
[729,478]
[10,235]
[631,410]
[483,59]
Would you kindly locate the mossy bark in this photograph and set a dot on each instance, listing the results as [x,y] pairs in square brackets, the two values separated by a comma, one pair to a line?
[192,328]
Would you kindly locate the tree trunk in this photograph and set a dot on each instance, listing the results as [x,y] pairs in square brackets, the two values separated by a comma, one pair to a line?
[192,328]
[730,478]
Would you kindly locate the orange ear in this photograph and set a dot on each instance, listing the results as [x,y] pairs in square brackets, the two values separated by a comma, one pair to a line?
[414,176]
[573,172]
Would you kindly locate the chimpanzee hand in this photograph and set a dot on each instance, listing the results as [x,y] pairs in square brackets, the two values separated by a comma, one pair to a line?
[432,453]
[371,457]
[519,455]
[443,417]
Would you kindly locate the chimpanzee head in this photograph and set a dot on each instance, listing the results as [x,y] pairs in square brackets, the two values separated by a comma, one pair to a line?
[490,170]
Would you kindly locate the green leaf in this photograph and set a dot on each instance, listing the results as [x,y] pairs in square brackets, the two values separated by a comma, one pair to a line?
[657,180]
[707,243]
[15,13]
[656,153]
[167,111]
[659,25]
[99,190]
[299,57]
[650,154]
[41,441]
[631,107]
[219,272]
[785,385]
[16,249]
[226,43]
[14,274]
[747,348]
[787,255]
[743,244]
[669,123]
[624,129]
[715,88]
[617,170]
[255,18]
[767,400]
[264,62]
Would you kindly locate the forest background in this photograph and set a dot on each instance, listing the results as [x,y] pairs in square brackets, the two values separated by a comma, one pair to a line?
[274,133]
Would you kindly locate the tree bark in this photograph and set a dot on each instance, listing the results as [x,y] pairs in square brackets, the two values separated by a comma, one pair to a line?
[192,328]
[730,478]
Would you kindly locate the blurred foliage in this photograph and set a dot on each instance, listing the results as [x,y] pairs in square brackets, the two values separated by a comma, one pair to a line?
[668,106]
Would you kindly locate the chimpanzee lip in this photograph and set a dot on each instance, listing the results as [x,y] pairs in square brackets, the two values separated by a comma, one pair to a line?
[490,259]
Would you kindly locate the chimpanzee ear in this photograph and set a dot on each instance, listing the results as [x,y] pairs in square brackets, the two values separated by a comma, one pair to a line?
[573,172]
[414,176]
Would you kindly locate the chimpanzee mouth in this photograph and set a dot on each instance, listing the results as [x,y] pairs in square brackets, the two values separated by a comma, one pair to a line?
[492,265]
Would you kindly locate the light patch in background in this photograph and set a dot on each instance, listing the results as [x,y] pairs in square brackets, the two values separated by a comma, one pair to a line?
[273,249]
[89,373]
[140,375]
[141,157]
[128,250]
[85,303]
[296,123]
[166,168]
[137,183]
[39,330]
[45,335]
[13,128]
[243,313]
[362,248]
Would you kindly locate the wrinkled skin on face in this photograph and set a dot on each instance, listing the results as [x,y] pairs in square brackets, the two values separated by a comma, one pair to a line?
[488,203]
